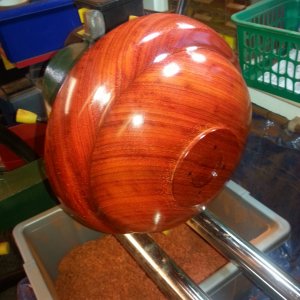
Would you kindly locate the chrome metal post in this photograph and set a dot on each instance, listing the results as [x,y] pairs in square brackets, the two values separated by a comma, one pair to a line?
[181,7]
[255,264]
[171,280]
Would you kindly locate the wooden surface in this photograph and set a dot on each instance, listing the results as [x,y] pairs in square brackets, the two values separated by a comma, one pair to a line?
[148,125]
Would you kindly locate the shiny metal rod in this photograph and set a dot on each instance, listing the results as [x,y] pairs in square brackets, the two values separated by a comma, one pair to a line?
[171,280]
[181,7]
[255,264]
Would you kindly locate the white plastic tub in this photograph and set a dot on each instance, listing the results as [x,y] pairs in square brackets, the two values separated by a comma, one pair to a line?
[44,240]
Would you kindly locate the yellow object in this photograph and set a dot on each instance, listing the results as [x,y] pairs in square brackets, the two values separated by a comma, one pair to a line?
[26,117]
[4,248]
[231,41]
[132,17]
[81,12]
[81,32]
[7,64]
[166,232]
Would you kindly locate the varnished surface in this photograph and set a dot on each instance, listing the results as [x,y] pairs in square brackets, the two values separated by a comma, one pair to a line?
[149,123]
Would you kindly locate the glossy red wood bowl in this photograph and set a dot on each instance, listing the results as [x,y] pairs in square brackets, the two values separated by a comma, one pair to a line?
[148,125]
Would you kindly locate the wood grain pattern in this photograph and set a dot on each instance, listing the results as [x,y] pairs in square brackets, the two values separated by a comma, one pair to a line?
[148,125]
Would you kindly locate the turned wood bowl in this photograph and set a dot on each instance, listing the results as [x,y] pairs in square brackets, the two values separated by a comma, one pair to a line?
[148,125]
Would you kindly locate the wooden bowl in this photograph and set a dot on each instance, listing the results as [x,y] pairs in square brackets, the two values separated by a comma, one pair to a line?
[148,125]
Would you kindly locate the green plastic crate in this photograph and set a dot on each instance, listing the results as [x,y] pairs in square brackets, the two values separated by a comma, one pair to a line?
[268,35]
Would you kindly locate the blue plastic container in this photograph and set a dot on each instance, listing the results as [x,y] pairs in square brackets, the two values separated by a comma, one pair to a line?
[36,28]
